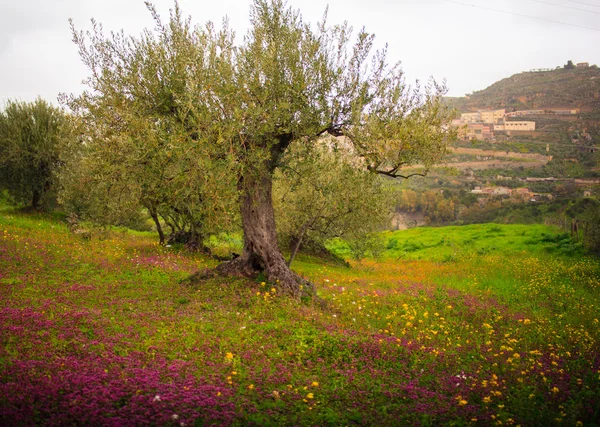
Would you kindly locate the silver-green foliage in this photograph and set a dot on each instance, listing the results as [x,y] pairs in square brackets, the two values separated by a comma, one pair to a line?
[324,193]
[189,118]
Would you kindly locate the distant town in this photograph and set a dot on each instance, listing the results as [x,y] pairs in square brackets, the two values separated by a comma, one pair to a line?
[484,125]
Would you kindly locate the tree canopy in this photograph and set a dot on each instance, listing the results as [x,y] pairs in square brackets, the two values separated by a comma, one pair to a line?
[324,192]
[218,116]
[31,134]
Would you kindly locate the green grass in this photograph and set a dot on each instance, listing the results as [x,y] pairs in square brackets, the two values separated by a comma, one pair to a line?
[481,324]
[452,243]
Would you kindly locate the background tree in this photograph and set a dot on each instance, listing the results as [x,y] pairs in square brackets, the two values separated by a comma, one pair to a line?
[31,134]
[287,82]
[322,193]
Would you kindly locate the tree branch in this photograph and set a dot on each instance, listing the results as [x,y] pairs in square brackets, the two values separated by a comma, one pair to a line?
[392,173]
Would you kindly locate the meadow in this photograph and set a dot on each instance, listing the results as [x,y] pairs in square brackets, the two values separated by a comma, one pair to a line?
[483,324]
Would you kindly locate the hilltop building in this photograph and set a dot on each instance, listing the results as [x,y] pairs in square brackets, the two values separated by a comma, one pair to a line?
[561,111]
[493,116]
[483,124]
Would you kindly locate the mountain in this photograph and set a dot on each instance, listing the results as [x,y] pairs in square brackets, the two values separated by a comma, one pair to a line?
[559,88]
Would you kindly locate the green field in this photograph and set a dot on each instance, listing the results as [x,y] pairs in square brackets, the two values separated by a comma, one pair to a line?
[482,324]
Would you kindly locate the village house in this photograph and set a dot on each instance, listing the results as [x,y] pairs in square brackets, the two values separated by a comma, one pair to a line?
[482,131]
[492,191]
[493,116]
[470,117]
[501,191]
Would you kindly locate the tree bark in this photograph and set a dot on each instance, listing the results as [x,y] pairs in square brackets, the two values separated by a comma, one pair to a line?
[161,234]
[297,244]
[35,201]
[261,252]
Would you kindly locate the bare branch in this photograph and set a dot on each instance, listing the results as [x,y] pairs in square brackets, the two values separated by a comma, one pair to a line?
[392,172]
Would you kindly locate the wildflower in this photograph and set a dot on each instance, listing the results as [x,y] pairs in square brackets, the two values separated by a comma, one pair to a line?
[251,387]
[310,396]
[229,356]
[526,321]
[462,402]
[555,389]
[487,399]
[156,398]
[175,416]
[315,384]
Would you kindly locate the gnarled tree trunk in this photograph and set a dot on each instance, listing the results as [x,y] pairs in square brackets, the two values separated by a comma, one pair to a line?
[261,252]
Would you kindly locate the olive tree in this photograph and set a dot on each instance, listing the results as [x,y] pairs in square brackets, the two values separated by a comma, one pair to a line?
[311,206]
[243,106]
[31,135]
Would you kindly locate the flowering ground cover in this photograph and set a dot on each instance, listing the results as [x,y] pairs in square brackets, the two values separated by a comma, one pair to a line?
[105,332]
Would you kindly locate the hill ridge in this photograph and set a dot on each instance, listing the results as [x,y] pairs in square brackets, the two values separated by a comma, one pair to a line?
[558,88]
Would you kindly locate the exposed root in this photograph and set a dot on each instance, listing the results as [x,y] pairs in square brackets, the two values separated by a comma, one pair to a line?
[283,279]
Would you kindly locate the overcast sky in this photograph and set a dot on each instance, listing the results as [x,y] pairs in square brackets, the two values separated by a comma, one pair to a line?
[470,43]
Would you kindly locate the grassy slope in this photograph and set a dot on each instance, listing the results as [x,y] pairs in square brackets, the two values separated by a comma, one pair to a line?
[449,243]
[104,332]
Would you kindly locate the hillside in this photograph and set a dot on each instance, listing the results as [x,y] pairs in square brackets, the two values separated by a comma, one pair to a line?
[514,176]
[574,88]
[453,326]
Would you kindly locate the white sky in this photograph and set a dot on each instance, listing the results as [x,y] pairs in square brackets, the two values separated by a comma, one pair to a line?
[463,41]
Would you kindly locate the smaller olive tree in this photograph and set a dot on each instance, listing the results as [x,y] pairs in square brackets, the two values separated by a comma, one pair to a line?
[31,136]
[324,192]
